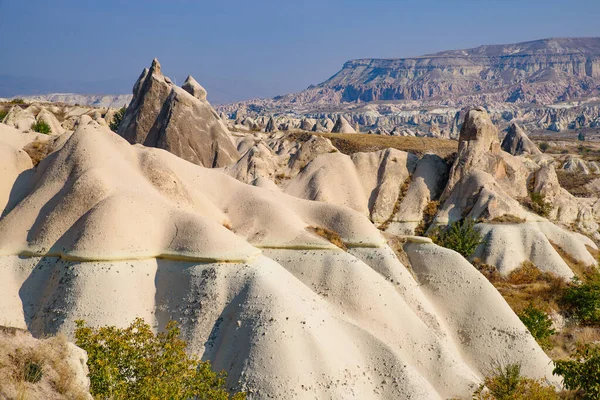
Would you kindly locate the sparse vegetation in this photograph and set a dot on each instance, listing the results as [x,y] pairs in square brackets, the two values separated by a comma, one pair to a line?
[117,118]
[544,146]
[329,235]
[428,214]
[3,114]
[41,126]
[582,372]
[538,204]
[134,363]
[460,236]
[539,325]
[30,367]
[507,383]
[38,150]
[526,286]
[582,299]
[17,101]
[576,183]
[507,219]
[350,143]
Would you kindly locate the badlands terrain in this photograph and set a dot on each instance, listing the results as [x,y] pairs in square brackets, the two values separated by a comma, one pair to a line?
[293,251]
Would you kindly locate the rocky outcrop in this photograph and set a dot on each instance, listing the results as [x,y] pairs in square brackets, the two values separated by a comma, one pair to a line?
[179,120]
[63,367]
[517,143]
[342,126]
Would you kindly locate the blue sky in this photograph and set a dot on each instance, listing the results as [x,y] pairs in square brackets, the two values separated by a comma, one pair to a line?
[244,49]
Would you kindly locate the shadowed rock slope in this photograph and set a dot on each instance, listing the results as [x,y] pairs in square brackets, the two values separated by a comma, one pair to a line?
[179,120]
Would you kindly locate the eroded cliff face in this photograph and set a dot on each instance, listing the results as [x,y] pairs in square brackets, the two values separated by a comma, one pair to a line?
[544,70]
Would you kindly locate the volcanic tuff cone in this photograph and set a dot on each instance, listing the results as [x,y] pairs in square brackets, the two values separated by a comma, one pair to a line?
[179,120]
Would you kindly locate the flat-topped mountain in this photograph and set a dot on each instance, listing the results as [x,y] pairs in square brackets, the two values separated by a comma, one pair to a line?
[546,71]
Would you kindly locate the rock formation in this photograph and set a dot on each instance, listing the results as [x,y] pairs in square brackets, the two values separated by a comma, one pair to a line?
[342,126]
[516,142]
[257,292]
[179,120]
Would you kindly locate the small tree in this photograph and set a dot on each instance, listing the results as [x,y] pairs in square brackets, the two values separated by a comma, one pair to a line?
[582,372]
[507,383]
[544,146]
[582,299]
[41,126]
[581,136]
[460,236]
[539,324]
[117,118]
[133,363]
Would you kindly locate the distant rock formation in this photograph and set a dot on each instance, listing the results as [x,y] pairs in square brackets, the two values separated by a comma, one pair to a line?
[516,142]
[271,127]
[179,120]
[342,126]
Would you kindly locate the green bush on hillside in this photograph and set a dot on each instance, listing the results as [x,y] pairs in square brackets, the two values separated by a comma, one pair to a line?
[539,325]
[507,383]
[582,372]
[460,236]
[117,118]
[134,363]
[539,205]
[41,126]
[582,299]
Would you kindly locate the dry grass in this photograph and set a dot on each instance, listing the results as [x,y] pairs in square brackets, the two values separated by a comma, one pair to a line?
[428,214]
[32,368]
[526,285]
[350,143]
[575,183]
[565,342]
[506,219]
[38,150]
[397,245]
[580,269]
[328,235]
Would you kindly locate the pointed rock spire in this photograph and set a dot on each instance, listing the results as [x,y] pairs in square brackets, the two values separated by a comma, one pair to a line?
[194,88]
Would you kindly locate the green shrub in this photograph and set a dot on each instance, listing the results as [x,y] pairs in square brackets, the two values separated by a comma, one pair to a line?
[582,373]
[41,126]
[460,236]
[32,372]
[539,324]
[544,146]
[539,205]
[134,363]
[582,299]
[17,101]
[3,114]
[507,384]
[117,118]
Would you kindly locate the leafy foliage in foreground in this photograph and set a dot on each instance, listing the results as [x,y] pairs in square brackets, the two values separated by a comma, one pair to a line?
[582,372]
[134,363]
[117,118]
[41,126]
[582,299]
[539,324]
[507,383]
[460,236]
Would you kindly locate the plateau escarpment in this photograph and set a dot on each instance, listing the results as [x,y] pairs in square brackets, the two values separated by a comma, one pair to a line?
[549,84]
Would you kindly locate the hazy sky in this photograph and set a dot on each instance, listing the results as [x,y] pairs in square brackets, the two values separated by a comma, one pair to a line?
[241,49]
